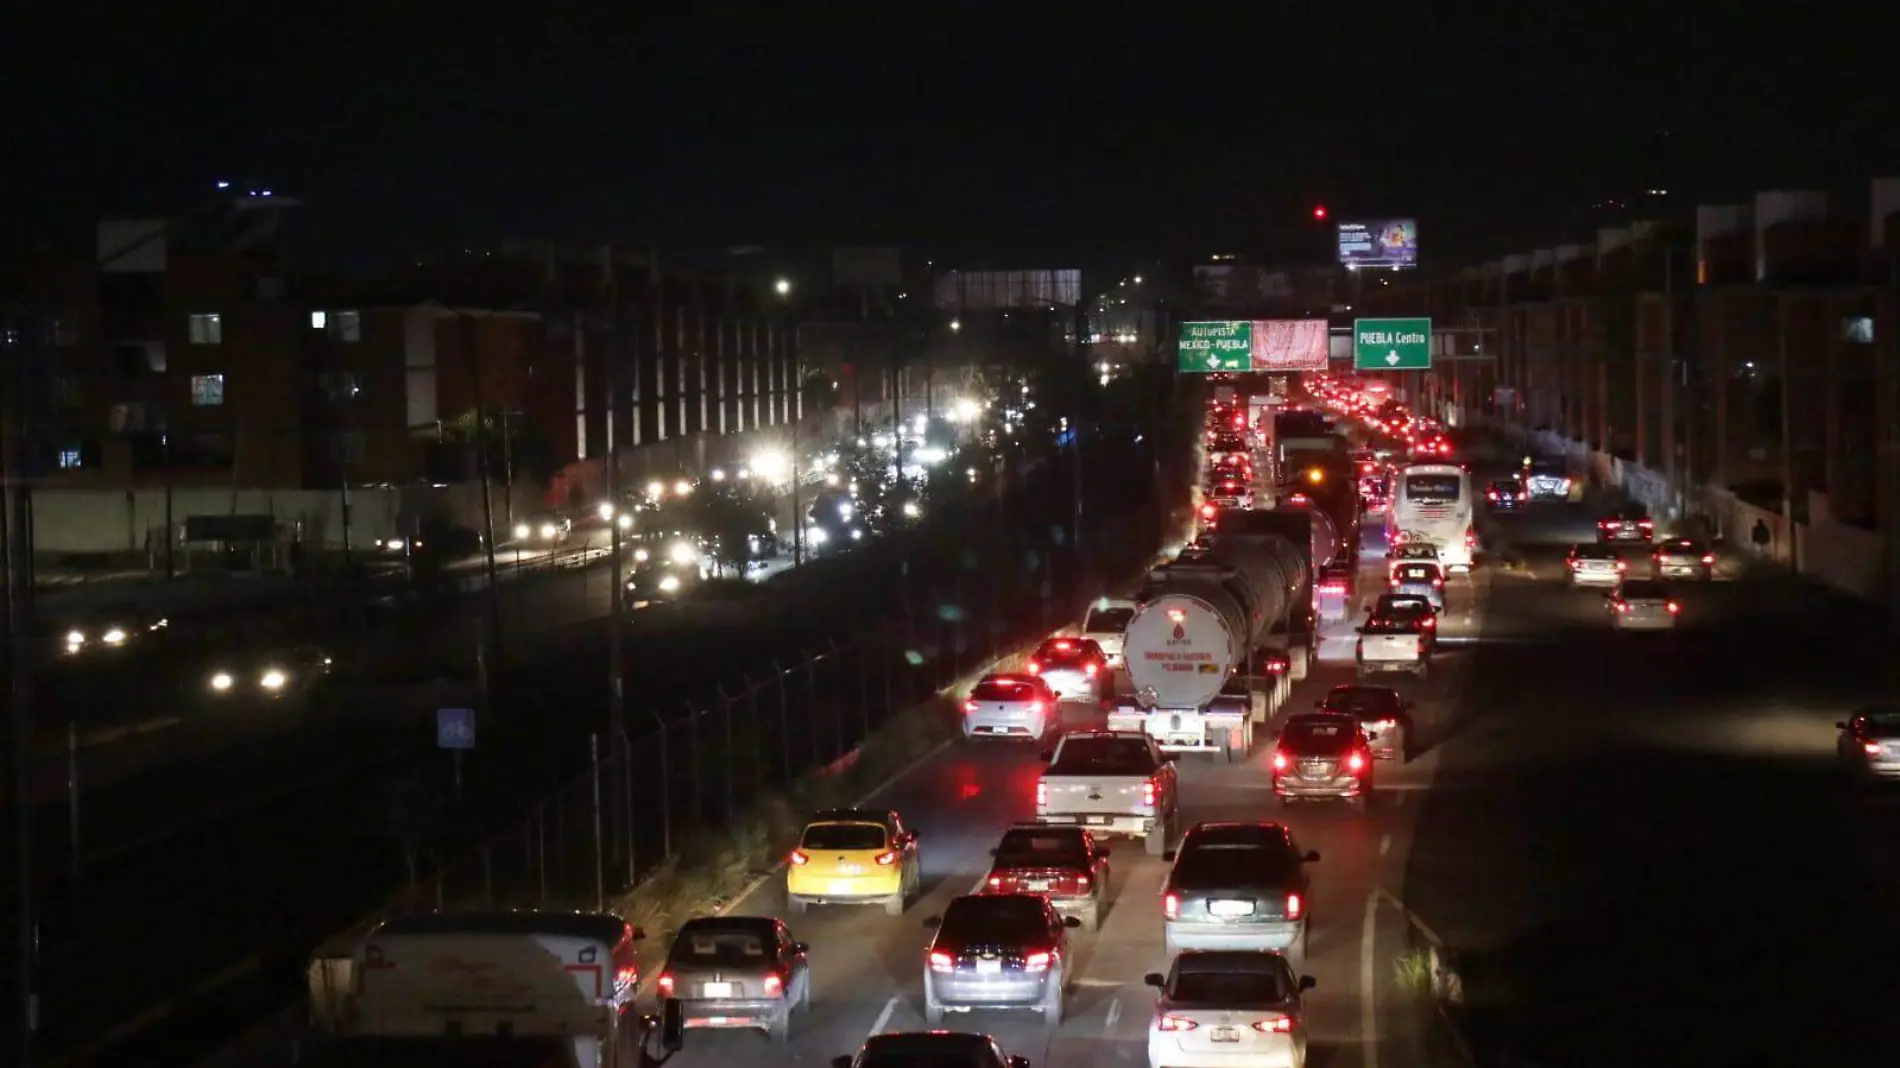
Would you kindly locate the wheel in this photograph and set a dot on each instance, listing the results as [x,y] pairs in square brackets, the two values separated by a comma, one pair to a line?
[1155,842]
[933,1012]
[804,999]
[1424,672]
[894,905]
[779,1031]
[1052,1002]
[1360,803]
[1092,919]
[796,905]
[1295,954]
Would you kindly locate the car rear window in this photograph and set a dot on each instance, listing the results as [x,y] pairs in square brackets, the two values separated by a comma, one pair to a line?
[1217,866]
[1310,736]
[1643,589]
[1230,988]
[1681,545]
[1041,847]
[1006,690]
[1103,756]
[1362,699]
[1593,552]
[1009,920]
[721,946]
[1108,620]
[1062,652]
[846,836]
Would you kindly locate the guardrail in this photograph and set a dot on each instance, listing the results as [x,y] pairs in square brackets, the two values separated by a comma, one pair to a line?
[1429,971]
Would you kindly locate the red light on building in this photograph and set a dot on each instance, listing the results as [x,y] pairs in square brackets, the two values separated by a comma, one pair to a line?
[1319,213]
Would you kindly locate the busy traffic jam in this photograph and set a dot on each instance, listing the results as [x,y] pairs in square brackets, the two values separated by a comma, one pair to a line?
[1173,833]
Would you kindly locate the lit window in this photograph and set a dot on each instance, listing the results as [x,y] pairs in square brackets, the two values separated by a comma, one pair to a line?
[207,329]
[69,459]
[318,320]
[207,391]
[349,326]
[1858,330]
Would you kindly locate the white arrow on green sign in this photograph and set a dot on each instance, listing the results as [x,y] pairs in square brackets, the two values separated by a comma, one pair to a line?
[1392,344]
[1209,347]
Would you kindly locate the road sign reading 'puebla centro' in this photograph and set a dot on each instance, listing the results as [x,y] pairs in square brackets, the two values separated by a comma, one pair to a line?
[1392,344]
[1219,346]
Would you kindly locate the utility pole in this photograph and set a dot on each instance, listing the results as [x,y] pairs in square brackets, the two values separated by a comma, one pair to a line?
[20,626]
[491,646]
[619,320]
[1787,430]
[1078,374]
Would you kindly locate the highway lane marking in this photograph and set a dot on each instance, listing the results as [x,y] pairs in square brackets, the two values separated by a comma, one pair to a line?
[884,1018]
[1385,845]
[1368,1011]
[1114,1017]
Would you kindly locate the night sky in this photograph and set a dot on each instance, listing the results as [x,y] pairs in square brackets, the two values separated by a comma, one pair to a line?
[966,128]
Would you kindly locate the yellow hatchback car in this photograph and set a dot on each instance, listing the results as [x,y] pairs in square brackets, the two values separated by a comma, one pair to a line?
[854,856]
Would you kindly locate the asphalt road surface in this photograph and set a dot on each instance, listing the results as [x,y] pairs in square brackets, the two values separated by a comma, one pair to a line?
[1639,843]
[868,966]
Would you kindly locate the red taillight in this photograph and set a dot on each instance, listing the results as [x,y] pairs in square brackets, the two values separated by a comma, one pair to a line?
[1034,667]
[799,858]
[1089,670]
[1148,794]
[1355,762]
[1871,748]
[1280,762]
[1208,511]
[1470,539]
[1295,906]
[1622,565]
[1674,608]
[1042,794]
[1709,559]
[1576,564]
[1175,1023]
[1429,622]
[996,882]
[969,706]
[666,985]
[1622,607]
[1037,961]
[1395,584]
[1493,495]
[1438,584]
[941,961]
[1646,525]
[1171,906]
[887,858]
[1279,1025]
[774,986]
[1082,882]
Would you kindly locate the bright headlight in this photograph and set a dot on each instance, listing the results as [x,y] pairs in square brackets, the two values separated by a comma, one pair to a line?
[911,510]
[625,522]
[606,510]
[394,545]
[523,531]
[817,536]
[548,531]
[682,553]
[272,680]
[640,556]
[115,636]
[75,637]
[221,681]
[669,584]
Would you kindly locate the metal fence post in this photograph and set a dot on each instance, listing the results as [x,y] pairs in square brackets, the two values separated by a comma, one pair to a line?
[666,787]
[811,704]
[72,792]
[600,834]
[784,725]
[837,712]
[758,734]
[626,812]
[946,666]
[699,763]
[731,754]
[862,647]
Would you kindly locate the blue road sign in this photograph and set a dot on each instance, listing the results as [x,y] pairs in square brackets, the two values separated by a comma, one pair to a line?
[455,728]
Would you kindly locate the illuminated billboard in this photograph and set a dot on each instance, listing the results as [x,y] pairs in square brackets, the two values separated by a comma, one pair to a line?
[1290,344]
[1379,243]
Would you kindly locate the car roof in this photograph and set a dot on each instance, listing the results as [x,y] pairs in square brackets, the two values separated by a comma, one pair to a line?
[883,816]
[927,1042]
[764,926]
[1236,832]
[1228,961]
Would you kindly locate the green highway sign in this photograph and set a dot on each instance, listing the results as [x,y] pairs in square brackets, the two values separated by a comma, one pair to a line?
[1210,347]
[1391,344]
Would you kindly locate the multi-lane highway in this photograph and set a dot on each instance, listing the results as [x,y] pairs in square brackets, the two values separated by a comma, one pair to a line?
[868,967]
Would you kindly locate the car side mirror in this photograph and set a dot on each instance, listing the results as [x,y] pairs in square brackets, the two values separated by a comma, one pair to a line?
[1155,979]
[1017,1062]
[1311,857]
[1307,982]
[1840,726]
[1168,855]
[1072,922]
[1438,609]
[1320,703]
[931,923]
[841,1062]
[639,934]
[801,947]
[672,1026]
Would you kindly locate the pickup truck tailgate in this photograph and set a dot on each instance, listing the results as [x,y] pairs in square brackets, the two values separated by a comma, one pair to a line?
[1389,647]
[1092,800]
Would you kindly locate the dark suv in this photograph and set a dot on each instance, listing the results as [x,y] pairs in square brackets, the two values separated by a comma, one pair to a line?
[1237,886]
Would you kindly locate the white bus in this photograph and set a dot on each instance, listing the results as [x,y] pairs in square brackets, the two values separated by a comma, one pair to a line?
[1431,503]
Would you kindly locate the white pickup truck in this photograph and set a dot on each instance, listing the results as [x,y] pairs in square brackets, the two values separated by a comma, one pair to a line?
[1114,783]
[1387,645]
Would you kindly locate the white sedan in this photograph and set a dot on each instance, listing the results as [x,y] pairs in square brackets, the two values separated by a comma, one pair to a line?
[1643,604]
[1010,706]
[1228,1009]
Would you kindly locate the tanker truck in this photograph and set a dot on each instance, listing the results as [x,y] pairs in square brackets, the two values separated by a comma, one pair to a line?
[1191,647]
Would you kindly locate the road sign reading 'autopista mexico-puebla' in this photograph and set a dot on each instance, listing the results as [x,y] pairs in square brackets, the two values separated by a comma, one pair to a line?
[1216,346]
[1391,344]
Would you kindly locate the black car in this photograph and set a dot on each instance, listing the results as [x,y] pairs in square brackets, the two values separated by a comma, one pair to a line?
[1065,864]
[930,1049]
[1504,495]
[1630,523]
[1323,756]
[1383,716]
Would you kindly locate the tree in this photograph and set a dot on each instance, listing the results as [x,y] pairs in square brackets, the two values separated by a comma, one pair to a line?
[730,521]
[821,393]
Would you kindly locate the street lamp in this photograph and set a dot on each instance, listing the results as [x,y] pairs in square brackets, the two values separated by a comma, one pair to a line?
[956,324]
[783,286]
